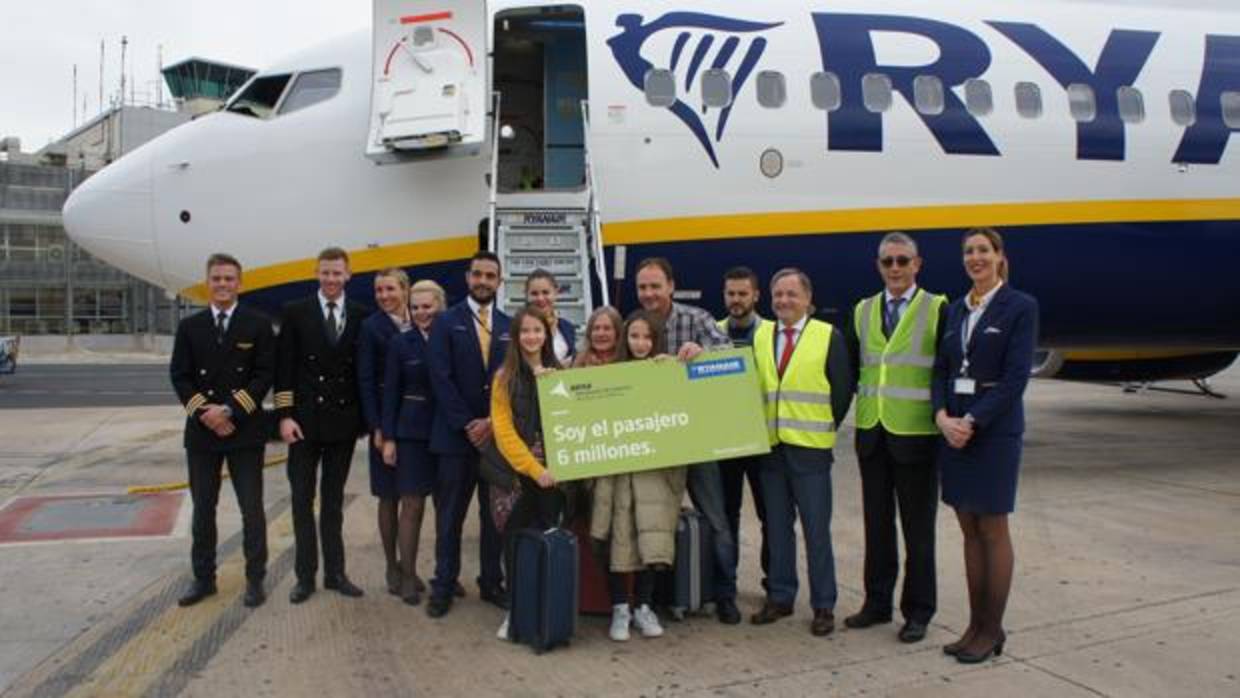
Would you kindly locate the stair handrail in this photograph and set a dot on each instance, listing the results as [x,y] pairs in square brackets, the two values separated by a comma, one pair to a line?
[595,207]
[492,226]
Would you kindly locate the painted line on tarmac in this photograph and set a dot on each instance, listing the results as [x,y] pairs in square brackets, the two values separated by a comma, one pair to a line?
[67,669]
[171,486]
[137,667]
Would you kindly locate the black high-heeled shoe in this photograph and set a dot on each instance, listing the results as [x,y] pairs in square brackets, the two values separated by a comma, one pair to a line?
[952,649]
[995,650]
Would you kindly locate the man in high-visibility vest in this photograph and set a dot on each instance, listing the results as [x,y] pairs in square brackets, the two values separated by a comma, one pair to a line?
[741,292]
[893,337]
[804,372]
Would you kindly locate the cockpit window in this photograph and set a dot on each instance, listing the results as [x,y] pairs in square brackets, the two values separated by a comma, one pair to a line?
[311,88]
[260,98]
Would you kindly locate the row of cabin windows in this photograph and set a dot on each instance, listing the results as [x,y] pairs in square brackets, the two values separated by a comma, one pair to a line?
[929,96]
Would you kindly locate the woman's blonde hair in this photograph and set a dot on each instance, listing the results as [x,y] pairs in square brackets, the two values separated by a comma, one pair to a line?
[428,286]
[996,241]
[395,273]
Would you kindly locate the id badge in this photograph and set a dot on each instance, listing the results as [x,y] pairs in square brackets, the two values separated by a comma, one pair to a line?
[966,386]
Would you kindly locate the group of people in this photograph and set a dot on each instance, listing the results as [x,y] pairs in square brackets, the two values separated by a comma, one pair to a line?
[439,392]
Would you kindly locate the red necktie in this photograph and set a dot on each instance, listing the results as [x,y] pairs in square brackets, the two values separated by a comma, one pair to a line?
[789,344]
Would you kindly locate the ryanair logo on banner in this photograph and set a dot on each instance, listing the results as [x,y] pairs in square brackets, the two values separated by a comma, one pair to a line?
[687,44]
[716,368]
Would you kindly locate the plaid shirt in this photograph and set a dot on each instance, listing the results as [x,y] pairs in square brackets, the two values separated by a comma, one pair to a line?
[686,323]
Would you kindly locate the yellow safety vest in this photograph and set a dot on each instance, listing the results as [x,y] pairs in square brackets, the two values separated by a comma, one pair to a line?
[894,386]
[798,406]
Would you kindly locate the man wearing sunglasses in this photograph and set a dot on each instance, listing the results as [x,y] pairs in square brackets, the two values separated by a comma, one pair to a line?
[893,339]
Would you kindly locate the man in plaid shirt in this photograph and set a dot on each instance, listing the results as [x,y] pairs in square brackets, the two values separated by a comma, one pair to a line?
[690,331]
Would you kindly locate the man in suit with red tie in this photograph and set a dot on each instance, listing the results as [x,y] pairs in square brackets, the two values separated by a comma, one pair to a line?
[320,418]
[803,368]
[467,347]
[222,364]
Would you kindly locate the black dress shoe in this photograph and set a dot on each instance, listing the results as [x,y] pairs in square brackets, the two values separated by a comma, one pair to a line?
[913,631]
[496,596]
[198,591]
[823,623]
[727,612]
[342,585]
[409,592]
[865,618]
[254,594]
[301,591]
[769,613]
[438,606]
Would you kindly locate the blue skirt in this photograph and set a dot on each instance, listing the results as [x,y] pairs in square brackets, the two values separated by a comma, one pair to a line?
[981,477]
[413,474]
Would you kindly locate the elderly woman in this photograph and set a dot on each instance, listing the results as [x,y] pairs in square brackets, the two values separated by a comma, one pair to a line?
[977,392]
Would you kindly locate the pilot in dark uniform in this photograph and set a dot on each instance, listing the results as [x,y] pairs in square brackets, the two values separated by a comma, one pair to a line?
[222,365]
[320,418]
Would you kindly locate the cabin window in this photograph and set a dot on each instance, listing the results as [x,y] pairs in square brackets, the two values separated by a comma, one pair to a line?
[1028,100]
[1131,104]
[772,89]
[716,88]
[1081,102]
[1183,108]
[876,91]
[824,91]
[310,88]
[1231,109]
[978,97]
[660,87]
[928,95]
[260,97]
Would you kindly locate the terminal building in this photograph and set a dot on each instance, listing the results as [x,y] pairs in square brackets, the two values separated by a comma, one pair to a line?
[48,285]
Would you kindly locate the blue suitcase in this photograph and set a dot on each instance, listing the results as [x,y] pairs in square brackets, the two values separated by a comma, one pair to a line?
[543,588]
[690,584]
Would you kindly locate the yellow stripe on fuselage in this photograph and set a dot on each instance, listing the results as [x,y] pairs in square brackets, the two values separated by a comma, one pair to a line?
[732,226]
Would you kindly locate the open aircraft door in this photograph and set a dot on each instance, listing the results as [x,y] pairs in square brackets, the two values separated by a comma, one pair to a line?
[429,86]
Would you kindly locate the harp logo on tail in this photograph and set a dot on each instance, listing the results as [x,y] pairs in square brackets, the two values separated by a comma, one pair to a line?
[688,44]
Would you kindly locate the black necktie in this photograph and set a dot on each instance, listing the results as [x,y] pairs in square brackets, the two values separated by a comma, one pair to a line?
[333,331]
[221,326]
[893,316]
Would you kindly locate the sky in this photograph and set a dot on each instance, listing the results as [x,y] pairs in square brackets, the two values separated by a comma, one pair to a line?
[41,40]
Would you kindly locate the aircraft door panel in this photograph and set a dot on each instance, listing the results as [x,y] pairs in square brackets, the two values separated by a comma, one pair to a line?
[429,82]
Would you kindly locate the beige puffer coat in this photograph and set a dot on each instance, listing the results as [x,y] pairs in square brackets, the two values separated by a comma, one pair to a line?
[637,512]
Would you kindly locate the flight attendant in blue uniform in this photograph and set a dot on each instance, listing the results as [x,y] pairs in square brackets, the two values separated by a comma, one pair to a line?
[390,320]
[980,376]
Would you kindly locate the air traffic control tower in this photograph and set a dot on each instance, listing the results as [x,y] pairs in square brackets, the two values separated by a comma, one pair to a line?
[200,86]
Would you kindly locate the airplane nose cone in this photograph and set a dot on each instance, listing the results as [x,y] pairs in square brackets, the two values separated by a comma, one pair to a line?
[110,216]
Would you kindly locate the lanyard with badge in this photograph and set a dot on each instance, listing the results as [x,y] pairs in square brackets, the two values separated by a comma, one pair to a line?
[964,385]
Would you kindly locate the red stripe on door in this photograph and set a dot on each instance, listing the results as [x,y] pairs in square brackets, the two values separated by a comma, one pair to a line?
[418,19]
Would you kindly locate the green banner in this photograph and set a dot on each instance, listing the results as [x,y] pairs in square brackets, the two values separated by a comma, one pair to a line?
[644,415]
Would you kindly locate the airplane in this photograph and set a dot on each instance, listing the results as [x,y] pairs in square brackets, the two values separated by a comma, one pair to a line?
[1096,136]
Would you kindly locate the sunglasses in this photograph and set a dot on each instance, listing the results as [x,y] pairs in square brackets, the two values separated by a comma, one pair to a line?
[900,261]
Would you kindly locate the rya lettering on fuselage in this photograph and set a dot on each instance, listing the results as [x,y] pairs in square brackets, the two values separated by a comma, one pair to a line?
[699,42]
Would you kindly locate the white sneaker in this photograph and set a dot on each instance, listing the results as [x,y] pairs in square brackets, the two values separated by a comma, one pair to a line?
[620,618]
[647,622]
[502,633]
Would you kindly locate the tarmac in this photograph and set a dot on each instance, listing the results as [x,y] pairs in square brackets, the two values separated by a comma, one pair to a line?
[1127,579]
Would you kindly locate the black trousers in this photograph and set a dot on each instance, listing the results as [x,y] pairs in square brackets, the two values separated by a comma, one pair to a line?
[734,474]
[912,488]
[535,508]
[245,469]
[304,458]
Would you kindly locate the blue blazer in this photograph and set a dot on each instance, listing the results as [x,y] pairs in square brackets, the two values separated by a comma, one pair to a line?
[460,381]
[1000,359]
[570,335]
[408,403]
[372,348]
